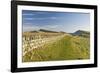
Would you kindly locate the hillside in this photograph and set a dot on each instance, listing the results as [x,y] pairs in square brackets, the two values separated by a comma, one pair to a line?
[81,33]
[60,47]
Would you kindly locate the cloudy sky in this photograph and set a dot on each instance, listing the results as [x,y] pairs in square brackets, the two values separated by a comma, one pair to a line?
[55,21]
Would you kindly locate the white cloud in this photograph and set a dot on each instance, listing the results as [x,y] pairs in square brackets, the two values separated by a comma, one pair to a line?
[51,26]
[30,28]
[40,12]
[28,14]
[29,18]
[41,18]
[53,17]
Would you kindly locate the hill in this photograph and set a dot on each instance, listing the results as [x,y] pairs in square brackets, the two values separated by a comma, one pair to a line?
[81,33]
[69,47]
[44,30]
[47,31]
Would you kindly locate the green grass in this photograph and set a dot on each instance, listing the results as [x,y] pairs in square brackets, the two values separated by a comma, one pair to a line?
[67,48]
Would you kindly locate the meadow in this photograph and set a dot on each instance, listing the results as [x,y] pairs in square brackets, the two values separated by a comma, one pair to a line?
[55,46]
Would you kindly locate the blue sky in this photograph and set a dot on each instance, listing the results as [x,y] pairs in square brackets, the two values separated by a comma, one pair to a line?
[55,21]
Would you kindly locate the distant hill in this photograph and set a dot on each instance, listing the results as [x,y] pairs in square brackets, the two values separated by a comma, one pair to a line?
[77,33]
[33,31]
[44,30]
[81,33]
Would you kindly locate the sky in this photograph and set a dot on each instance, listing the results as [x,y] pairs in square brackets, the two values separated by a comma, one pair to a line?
[56,21]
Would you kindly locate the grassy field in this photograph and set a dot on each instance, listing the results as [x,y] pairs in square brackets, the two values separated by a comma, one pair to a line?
[66,48]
